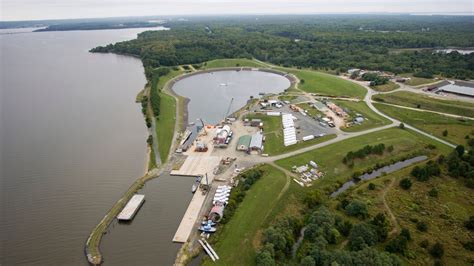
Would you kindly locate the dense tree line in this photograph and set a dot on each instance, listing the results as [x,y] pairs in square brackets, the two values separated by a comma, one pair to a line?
[364,152]
[322,42]
[374,79]
[458,164]
[323,229]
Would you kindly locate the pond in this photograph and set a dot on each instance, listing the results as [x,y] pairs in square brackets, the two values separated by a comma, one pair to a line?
[210,93]
[387,169]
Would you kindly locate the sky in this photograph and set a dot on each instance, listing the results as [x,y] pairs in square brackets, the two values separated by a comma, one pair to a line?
[65,9]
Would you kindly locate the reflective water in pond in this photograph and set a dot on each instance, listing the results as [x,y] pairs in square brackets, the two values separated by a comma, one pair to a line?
[210,93]
[387,169]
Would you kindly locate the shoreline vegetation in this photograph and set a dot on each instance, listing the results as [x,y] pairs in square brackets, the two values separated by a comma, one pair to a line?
[189,47]
[160,81]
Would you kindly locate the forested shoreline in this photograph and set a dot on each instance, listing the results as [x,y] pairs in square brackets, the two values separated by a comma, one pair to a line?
[397,43]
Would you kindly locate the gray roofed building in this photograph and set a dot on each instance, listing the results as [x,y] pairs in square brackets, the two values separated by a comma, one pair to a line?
[459,87]
[256,143]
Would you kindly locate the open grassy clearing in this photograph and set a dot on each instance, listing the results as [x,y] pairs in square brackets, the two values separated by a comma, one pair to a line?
[325,84]
[329,158]
[432,123]
[415,81]
[445,214]
[273,132]
[372,119]
[235,242]
[415,100]
[241,62]
[390,86]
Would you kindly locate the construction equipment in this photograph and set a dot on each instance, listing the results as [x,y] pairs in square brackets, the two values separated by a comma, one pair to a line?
[203,127]
[228,109]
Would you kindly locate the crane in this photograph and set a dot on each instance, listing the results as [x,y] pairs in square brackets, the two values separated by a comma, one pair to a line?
[203,127]
[228,109]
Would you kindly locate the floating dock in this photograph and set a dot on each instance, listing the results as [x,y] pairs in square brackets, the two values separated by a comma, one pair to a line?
[131,208]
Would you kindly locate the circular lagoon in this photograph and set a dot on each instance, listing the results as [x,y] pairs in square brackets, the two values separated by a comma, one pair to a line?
[210,93]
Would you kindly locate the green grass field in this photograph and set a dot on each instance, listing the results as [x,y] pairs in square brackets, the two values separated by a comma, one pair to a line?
[273,133]
[432,123]
[235,245]
[326,84]
[166,121]
[330,157]
[415,81]
[390,86]
[414,100]
[242,62]
[165,125]
[372,119]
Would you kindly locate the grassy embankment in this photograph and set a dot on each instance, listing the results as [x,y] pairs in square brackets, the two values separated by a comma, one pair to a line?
[238,241]
[325,84]
[432,123]
[390,86]
[166,121]
[241,62]
[406,143]
[444,214]
[372,120]
[273,132]
[415,100]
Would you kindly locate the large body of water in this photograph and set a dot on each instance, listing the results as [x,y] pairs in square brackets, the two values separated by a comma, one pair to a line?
[210,93]
[72,142]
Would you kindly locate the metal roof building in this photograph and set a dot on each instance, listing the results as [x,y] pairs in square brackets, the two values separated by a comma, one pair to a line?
[460,87]
[243,143]
[256,143]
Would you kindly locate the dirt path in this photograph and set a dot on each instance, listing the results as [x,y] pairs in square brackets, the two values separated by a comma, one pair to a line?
[288,175]
[396,227]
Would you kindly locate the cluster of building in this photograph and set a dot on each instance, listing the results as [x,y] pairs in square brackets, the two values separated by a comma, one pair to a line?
[461,88]
[220,200]
[336,109]
[308,173]
[289,131]
[223,136]
[251,143]
[357,72]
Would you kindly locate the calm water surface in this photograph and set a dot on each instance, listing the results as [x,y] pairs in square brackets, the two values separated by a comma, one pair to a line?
[72,141]
[210,93]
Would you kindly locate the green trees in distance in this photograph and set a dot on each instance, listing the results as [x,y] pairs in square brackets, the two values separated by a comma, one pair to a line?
[364,152]
[324,42]
[375,79]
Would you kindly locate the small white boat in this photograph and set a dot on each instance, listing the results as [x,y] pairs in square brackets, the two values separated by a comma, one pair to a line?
[207,228]
[194,187]
[223,84]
